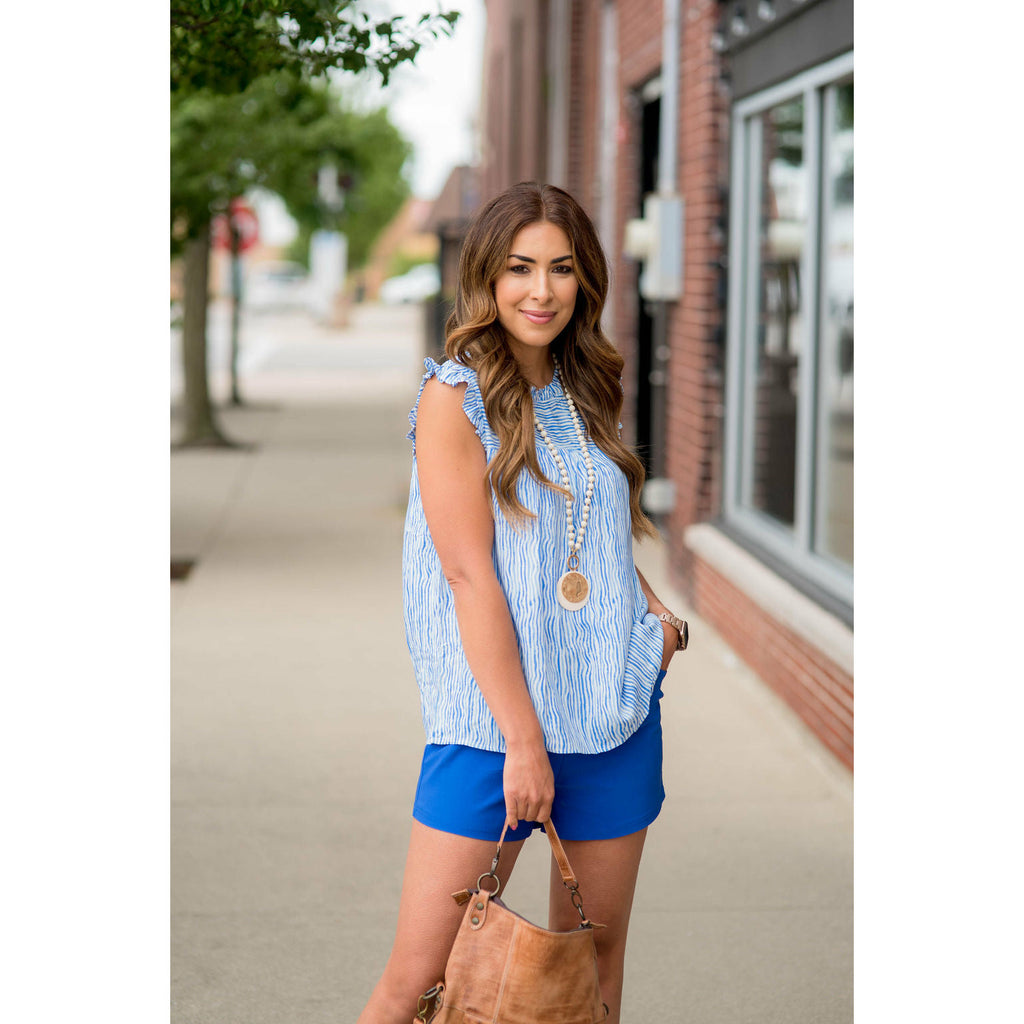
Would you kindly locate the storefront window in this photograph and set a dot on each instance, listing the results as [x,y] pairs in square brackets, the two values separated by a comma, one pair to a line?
[789,404]
[834,520]
[783,225]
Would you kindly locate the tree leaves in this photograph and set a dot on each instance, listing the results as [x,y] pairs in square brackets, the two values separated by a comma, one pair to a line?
[245,110]
[224,45]
[276,135]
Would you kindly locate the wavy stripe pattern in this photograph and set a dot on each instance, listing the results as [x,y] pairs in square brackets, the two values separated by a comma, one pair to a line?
[590,672]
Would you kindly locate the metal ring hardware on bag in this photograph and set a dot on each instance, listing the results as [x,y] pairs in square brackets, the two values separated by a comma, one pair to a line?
[430,1002]
[577,900]
[497,883]
[493,873]
[564,867]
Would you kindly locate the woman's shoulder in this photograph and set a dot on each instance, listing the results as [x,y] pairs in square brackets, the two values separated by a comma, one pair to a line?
[444,399]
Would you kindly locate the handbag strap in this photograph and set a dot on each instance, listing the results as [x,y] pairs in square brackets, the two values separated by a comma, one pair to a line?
[564,867]
[557,851]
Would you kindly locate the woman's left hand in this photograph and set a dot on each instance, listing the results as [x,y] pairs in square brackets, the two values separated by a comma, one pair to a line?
[670,637]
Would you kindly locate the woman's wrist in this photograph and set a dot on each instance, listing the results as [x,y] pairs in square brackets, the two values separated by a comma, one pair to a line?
[669,641]
[525,738]
[678,627]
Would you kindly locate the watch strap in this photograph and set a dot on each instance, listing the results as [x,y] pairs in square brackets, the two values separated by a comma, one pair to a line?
[680,626]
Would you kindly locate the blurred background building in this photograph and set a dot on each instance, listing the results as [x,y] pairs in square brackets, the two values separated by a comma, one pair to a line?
[712,144]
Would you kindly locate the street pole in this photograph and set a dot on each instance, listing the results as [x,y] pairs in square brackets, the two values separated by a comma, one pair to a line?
[328,253]
[236,302]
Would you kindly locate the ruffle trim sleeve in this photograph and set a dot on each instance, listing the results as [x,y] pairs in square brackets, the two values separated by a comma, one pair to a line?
[452,373]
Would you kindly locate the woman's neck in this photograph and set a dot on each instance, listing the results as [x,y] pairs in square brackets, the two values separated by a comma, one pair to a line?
[537,367]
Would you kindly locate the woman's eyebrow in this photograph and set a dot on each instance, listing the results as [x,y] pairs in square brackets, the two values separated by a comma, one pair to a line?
[528,259]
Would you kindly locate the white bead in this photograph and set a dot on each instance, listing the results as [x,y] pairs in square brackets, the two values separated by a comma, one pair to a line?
[575,539]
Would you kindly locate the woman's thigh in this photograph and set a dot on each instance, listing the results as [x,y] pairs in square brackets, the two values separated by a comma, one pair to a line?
[606,870]
[438,864]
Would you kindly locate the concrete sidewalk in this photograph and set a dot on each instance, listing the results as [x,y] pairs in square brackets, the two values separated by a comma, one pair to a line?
[296,740]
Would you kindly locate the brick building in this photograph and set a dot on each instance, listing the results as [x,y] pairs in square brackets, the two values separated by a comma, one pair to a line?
[712,144]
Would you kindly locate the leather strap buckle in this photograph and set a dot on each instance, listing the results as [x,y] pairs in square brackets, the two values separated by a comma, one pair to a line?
[430,1002]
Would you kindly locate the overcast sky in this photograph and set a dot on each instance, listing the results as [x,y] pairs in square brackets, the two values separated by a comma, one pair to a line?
[435,101]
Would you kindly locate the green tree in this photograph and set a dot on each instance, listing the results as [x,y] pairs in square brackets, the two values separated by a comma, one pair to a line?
[370,160]
[240,99]
[277,134]
[223,46]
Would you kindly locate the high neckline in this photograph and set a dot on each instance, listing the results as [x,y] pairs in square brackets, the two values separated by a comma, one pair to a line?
[547,389]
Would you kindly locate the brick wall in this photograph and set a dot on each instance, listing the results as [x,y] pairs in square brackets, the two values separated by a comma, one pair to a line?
[819,691]
[695,386]
[515,101]
[639,33]
[584,101]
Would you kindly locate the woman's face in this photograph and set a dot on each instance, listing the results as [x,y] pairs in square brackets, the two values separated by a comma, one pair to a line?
[536,292]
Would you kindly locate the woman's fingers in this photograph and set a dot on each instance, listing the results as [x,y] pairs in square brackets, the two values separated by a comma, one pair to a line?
[529,784]
[534,807]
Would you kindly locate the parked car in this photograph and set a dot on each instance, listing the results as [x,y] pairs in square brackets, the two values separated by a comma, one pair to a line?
[418,284]
[276,285]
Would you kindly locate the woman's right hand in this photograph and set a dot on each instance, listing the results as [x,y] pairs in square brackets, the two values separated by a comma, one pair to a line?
[529,783]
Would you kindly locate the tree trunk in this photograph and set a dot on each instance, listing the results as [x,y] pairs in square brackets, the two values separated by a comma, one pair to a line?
[201,429]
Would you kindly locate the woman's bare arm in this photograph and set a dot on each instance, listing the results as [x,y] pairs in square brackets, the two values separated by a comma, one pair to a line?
[456,504]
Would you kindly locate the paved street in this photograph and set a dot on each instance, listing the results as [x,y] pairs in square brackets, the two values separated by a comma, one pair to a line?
[296,734]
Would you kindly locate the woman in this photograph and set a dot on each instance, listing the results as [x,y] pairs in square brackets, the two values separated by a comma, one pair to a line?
[537,646]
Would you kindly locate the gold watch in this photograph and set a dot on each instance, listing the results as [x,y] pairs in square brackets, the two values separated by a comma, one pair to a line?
[679,625]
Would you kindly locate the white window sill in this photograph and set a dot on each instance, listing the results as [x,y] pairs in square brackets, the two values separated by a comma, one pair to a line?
[778,598]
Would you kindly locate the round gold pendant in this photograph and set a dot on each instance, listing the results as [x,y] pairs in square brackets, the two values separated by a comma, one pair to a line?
[572,590]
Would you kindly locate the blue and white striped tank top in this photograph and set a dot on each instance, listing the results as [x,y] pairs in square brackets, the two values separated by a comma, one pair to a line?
[590,672]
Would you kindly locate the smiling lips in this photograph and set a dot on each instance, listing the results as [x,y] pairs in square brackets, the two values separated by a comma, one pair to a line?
[536,316]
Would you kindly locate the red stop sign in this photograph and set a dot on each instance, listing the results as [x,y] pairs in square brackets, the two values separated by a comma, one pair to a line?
[246,224]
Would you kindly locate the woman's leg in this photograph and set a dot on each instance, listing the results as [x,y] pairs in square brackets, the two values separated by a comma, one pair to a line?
[437,865]
[606,870]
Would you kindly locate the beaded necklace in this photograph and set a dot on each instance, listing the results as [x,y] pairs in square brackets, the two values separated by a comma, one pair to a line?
[573,588]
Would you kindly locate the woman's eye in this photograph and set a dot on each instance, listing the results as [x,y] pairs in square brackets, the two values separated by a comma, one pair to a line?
[521,269]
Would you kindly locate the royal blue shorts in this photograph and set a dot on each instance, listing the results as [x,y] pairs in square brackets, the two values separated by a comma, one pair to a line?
[597,796]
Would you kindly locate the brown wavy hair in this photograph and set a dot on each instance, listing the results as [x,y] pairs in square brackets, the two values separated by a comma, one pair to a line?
[591,367]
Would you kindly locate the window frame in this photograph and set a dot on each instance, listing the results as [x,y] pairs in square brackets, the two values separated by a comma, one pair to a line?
[791,545]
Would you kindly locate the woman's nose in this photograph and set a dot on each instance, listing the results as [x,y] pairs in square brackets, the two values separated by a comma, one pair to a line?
[541,286]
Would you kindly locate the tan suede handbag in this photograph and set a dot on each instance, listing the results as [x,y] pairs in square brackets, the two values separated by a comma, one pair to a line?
[504,970]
